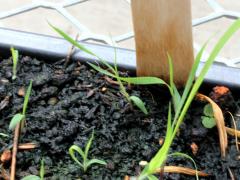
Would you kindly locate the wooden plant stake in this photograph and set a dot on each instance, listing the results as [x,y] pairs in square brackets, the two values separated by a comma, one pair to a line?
[161,27]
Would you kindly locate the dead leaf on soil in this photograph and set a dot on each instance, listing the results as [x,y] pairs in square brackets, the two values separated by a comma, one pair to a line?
[181,170]
[233,132]
[218,115]
[6,156]
[109,80]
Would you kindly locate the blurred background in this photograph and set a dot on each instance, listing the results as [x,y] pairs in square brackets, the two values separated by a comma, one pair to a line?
[99,21]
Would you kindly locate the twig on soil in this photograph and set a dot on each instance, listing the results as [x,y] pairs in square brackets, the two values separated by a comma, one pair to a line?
[231,174]
[235,130]
[232,132]
[181,170]
[27,146]
[15,149]
[70,52]
[109,80]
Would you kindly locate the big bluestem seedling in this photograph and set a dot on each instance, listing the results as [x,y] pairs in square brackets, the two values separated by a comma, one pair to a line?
[85,163]
[184,101]
[20,117]
[34,177]
[15,62]
[180,103]
[114,73]
[208,119]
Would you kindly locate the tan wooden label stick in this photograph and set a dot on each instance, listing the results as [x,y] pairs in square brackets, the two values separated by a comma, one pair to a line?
[161,27]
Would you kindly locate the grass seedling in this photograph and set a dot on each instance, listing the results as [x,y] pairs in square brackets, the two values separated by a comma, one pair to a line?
[114,72]
[180,103]
[208,119]
[34,177]
[20,117]
[184,102]
[86,163]
[15,62]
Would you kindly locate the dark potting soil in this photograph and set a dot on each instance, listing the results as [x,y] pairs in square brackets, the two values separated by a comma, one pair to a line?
[67,104]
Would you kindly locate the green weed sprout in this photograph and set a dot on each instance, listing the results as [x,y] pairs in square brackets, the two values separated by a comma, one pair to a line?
[15,62]
[20,117]
[180,103]
[114,72]
[208,119]
[34,177]
[86,163]
[183,102]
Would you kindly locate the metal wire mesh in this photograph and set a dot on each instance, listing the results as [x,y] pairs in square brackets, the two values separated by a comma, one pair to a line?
[86,34]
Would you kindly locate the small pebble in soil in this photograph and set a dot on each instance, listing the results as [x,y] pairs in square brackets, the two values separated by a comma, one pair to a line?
[194,148]
[104,89]
[21,91]
[52,101]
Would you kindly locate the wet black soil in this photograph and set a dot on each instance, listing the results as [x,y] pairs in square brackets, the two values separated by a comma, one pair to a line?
[67,104]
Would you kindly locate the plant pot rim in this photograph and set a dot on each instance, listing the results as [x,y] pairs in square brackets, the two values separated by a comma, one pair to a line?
[54,48]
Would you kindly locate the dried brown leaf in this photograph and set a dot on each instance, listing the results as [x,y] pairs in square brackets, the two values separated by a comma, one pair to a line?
[126,178]
[235,130]
[232,132]
[110,81]
[6,156]
[218,115]
[181,170]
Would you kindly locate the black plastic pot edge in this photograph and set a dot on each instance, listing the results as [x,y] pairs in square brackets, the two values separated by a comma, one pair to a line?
[53,48]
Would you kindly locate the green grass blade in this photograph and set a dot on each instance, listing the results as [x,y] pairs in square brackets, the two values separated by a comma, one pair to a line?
[42,170]
[89,144]
[31,177]
[161,156]
[26,98]
[72,150]
[152,177]
[72,41]
[143,80]
[95,161]
[17,118]
[15,55]
[79,46]
[221,43]
[169,123]
[139,103]
[159,159]
[101,70]
[223,40]
[176,98]
[190,81]
[187,157]
[171,77]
